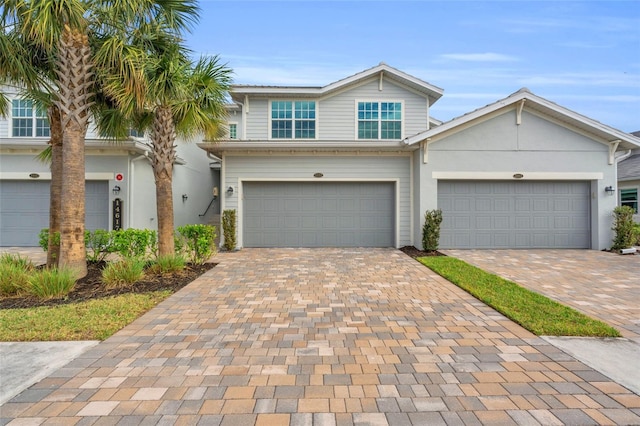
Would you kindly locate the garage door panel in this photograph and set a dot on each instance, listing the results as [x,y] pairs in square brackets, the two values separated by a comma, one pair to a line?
[534,214]
[321,214]
[25,210]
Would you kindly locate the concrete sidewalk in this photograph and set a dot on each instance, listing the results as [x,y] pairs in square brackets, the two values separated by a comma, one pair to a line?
[324,336]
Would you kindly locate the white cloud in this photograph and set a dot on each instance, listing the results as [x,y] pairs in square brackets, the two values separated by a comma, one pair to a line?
[479,57]
[601,79]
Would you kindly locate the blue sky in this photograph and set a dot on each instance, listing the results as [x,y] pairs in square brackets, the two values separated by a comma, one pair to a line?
[583,55]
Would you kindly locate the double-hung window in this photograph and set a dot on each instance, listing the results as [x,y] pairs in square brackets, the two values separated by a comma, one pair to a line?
[28,120]
[629,197]
[293,119]
[379,120]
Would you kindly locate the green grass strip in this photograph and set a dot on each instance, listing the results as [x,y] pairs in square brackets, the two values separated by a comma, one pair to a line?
[536,313]
[92,320]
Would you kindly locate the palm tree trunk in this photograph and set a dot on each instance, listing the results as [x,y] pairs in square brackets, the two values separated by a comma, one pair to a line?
[164,154]
[74,100]
[55,124]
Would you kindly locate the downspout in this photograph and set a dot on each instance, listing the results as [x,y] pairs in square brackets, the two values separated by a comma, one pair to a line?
[617,160]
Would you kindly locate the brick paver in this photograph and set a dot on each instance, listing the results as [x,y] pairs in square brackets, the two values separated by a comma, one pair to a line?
[601,284]
[323,337]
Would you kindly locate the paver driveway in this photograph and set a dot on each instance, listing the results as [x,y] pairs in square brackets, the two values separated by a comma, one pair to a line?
[323,337]
[601,284]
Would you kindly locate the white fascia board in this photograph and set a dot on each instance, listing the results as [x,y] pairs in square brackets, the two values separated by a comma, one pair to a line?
[303,146]
[511,175]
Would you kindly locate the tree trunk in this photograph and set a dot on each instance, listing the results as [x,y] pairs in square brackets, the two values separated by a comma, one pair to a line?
[164,154]
[74,100]
[53,251]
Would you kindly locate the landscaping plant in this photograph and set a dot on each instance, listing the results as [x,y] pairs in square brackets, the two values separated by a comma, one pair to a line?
[623,226]
[123,273]
[51,283]
[198,241]
[431,230]
[135,243]
[98,244]
[168,264]
[14,273]
[229,229]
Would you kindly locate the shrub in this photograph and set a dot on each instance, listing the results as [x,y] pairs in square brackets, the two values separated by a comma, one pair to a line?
[636,233]
[229,229]
[431,230]
[43,238]
[168,264]
[123,273]
[98,244]
[15,271]
[50,283]
[199,242]
[623,227]
[135,243]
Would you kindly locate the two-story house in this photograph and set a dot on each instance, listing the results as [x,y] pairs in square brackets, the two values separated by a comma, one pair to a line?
[359,161]
[355,163]
[120,189]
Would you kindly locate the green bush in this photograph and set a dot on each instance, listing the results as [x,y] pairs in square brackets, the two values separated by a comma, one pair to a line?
[43,238]
[98,244]
[15,271]
[168,264]
[50,283]
[123,273]
[135,243]
[229,229]
[199,242]
[431,230]
[624,228]
[636,233]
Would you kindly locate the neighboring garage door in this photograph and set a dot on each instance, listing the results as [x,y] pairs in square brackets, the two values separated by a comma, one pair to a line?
[319,214]
[24,210]
[524,214]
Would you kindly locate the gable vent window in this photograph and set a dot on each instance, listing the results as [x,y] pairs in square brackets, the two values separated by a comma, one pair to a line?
[293,120]
[379,120]
[28,120]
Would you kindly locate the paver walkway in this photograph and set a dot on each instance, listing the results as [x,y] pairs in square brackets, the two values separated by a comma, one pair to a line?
[323,337]
[601,284]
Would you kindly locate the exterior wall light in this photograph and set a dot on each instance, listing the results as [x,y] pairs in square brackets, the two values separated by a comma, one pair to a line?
[230,190]
[185,197]
[610,190]
[116,190]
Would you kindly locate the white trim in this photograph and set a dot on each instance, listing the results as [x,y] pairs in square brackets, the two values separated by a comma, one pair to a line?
[47,176]
[510,175]
[241,182]
[411,190]
[222,195]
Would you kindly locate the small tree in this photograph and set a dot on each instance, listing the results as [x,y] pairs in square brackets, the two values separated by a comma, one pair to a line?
[431,230]
[229,229]
[623,227]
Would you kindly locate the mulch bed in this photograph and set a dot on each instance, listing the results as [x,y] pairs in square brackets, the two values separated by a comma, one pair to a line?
[414,252]
[91,286]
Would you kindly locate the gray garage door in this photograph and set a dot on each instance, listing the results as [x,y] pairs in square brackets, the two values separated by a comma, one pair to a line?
[24,210]
[531,214]
[319,214]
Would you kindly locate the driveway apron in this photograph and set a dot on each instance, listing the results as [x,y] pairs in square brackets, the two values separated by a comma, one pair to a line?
[601,284]
[323,337]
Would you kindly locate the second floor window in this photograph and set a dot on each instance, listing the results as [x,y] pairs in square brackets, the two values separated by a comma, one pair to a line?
[293,120]
[28,120]
[379,120]
[233,131]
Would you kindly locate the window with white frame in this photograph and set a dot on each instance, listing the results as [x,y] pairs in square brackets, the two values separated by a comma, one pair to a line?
[379,120]
[629,197]
[293,119]
[28,120]
[233,131]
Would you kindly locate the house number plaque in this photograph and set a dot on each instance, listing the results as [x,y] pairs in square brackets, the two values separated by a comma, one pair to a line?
[117,214]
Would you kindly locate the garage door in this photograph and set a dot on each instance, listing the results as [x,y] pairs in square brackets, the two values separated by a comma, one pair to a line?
[319,214]
[533,214]
[24,210]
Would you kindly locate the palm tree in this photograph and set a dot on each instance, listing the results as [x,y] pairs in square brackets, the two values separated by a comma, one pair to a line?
[182,98]
[62,29]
